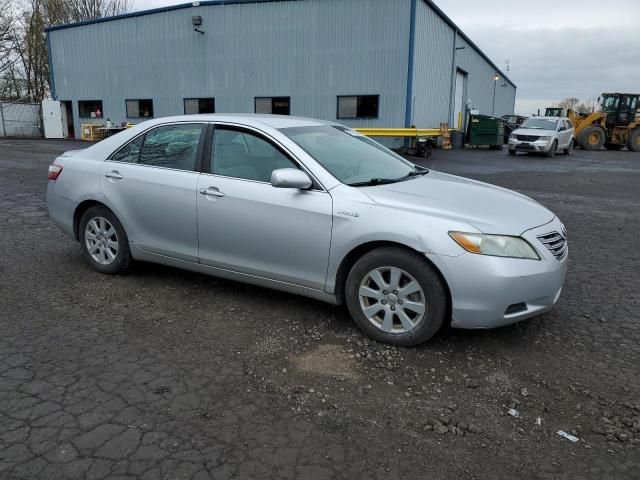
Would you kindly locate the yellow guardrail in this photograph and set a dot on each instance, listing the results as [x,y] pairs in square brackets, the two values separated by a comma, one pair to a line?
[400,132]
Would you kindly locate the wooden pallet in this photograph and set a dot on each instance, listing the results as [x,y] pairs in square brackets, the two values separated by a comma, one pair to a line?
[446,136]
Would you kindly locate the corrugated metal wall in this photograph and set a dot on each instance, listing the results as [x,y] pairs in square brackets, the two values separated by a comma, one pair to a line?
[432,68]
[310,50]
[434,73]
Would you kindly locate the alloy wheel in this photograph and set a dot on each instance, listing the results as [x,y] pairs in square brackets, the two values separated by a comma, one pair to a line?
[101,240]
[392,300]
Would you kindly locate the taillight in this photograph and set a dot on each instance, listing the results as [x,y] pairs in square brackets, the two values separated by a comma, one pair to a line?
[54,172]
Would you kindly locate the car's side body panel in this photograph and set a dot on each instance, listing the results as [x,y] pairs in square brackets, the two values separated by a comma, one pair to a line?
[254,228]
[159,205]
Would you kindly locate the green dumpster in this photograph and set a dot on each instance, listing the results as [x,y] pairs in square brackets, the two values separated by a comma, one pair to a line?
[486,130]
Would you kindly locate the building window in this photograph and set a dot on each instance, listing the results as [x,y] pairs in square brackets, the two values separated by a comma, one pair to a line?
[90,108]
[193,106]
[275,105]
[139,108]
[358,106]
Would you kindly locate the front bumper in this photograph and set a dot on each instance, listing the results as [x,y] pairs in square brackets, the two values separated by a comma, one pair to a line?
[541,146]
[488,292]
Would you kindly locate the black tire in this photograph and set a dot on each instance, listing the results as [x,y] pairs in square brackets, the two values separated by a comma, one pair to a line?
[433,289]
[122,257]
[512,152]
[592,138]
[569,149]
[633,142]
[612,146]
[552,151]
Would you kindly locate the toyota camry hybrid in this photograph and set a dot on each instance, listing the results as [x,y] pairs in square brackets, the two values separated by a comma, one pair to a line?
[313,208]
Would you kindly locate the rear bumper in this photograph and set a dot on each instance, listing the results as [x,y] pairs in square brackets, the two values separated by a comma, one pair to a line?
[489,292]
[61,210]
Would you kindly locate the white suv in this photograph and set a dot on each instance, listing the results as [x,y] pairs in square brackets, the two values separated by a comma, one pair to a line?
[543,135]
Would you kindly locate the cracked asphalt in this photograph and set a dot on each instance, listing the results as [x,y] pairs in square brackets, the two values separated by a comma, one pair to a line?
[162,373]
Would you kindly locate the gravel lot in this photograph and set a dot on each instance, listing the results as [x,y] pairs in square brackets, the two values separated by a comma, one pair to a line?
[168,374]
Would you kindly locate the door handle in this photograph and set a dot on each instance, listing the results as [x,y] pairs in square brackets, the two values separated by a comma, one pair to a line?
[211,191]
[113,174]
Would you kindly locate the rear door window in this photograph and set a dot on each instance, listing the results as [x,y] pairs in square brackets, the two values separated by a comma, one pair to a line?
[172,146]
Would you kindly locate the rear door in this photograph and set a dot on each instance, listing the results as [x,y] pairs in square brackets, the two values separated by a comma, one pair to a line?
[247,225]
[152,182]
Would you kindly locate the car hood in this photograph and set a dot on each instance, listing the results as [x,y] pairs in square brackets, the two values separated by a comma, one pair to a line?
[488,208]
[534,131]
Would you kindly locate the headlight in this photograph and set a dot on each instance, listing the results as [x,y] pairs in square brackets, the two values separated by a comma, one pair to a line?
[495,245]
[544,138]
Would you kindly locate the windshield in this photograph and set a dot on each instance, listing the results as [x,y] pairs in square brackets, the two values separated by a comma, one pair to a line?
[540,123]
[610,103]
[350,156]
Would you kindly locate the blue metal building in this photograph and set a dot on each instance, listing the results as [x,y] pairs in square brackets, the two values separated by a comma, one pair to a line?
[365,63]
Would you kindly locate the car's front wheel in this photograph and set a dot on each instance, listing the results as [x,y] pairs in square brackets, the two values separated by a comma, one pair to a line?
[552,151]
[396,297]
[103,241]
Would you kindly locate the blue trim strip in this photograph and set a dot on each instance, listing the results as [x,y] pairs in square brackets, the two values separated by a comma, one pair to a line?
[412,41]
[52,81]
[155,10]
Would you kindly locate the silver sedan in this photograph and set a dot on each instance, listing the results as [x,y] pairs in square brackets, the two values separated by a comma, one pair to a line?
[313,208]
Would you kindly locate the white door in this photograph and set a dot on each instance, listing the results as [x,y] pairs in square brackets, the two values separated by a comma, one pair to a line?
[458,102]
[52,119]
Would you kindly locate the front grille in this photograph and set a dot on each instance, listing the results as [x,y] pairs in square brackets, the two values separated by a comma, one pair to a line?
[556,243]
[527,138]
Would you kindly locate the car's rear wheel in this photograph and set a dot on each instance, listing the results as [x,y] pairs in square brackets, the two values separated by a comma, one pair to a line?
[569,149]
[103,241]
[396,297]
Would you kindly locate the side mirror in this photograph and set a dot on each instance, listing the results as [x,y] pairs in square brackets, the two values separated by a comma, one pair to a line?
[290,178]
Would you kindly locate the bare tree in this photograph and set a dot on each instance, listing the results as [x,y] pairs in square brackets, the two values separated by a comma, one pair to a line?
[588,106]
[568,103]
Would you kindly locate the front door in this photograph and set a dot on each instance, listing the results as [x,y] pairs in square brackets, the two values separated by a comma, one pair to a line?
[247,225]
[152,184]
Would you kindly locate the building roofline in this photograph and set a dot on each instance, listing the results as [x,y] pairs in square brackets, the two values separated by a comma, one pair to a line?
[142,13]
[453,25]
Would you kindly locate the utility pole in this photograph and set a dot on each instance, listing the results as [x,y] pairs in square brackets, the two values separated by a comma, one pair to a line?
[495,82]
[4,130]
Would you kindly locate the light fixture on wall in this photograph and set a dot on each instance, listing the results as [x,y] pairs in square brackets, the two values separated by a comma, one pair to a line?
[196,21]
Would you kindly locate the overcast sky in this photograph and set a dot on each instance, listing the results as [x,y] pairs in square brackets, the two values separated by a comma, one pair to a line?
[556,48]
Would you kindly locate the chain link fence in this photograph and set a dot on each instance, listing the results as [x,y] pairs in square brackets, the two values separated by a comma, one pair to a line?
[20,120]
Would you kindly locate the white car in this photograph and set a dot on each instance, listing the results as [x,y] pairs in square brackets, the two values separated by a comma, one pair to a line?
[543,135]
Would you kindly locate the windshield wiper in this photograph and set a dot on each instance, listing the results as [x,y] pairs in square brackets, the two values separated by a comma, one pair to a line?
[373,181]
[382,181]
[418,171]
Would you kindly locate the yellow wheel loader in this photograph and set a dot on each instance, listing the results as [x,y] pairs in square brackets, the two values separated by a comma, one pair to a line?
[617,124]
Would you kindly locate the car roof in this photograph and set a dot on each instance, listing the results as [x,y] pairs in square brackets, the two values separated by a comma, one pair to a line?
[250,119]
[544,117]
